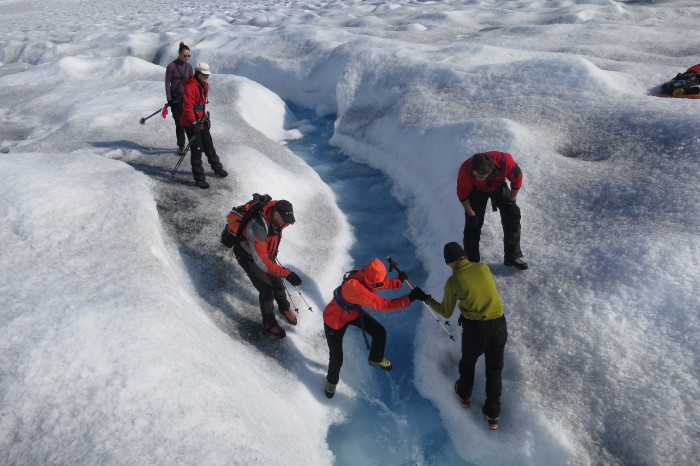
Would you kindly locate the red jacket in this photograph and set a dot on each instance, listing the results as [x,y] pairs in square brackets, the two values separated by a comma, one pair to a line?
[266,237]
[360,289]
[194,100]
[505,168]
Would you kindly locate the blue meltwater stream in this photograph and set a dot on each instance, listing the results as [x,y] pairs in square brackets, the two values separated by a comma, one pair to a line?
[388,422]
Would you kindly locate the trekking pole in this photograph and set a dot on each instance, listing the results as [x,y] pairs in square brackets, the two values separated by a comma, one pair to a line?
[296,309]
[184,153]
[160,110]
[394,266]
[189,143]
[297,288]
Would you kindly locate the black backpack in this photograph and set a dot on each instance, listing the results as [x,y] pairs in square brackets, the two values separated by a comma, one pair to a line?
[687,83]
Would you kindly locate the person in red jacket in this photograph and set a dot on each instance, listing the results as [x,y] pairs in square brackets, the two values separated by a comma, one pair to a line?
[482,177]
[359,288]
[256,254]
[195,120]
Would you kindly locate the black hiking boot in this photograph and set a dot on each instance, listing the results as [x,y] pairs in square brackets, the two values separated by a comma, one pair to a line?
[464,403]
[221,172]
[518,263]
[492,421]
[201,184]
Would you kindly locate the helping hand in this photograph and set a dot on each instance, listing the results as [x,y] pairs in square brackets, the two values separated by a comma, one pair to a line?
[417,294]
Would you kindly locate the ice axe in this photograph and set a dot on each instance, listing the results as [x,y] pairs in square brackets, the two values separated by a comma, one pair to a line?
[394,266]
[160,110]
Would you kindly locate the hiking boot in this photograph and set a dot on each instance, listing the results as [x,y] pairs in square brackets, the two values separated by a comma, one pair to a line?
[330,389]
[518,263]
[462,401]
[275,330]
[383,364]
[201,184]
[181,149]
[221,172]
[289,316]
[493,421]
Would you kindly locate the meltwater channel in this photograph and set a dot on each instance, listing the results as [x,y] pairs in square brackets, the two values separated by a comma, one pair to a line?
[389,422]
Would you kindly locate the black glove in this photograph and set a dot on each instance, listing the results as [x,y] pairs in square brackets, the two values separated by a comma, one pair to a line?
[417,293]
[207,124]
[196,129]
[170,103]
[293,279]
[403,276]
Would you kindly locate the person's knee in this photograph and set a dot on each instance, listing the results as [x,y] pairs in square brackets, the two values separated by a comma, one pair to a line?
[379,332]
[266,295]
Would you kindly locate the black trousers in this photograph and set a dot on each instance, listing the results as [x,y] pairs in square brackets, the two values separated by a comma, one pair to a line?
[335,343]
[270,288]
[202,142]
[176,110]
[510,220]
[487,337]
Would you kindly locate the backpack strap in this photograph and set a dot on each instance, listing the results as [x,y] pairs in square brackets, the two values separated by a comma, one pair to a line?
[259,202]
[342,302]
[347,306]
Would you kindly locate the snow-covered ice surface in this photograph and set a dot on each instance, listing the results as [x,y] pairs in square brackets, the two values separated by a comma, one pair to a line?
[129,336]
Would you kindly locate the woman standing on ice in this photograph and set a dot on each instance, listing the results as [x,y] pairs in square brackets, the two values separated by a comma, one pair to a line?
[195,120]
[176,74]
[359,288]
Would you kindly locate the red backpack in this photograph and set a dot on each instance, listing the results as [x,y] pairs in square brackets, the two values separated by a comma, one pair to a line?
[693,69]
[238,218]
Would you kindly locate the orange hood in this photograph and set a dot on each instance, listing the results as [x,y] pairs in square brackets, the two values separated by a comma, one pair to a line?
[373,272]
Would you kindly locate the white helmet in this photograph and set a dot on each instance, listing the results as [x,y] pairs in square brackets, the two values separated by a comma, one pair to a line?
[202,68]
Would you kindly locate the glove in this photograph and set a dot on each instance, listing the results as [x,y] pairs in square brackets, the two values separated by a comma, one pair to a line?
[170,103]
[293,279]
[417,293]
[403,276]
[207,124]
[196,128]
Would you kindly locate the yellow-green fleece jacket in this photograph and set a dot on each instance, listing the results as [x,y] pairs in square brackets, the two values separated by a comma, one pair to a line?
[472,287]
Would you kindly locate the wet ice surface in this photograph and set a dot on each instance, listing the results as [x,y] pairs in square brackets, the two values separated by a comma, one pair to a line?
[130,335]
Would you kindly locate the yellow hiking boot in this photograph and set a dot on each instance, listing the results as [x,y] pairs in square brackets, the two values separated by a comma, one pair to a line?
[383,364]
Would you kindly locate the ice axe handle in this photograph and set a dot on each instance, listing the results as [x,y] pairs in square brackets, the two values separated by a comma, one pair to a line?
[394,266]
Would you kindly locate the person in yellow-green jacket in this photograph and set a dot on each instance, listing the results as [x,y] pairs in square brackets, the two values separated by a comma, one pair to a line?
[472,288]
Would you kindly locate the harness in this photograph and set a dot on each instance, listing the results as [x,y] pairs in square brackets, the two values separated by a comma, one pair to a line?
[491,181]
[202,101]
[348,306]
[176,88]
